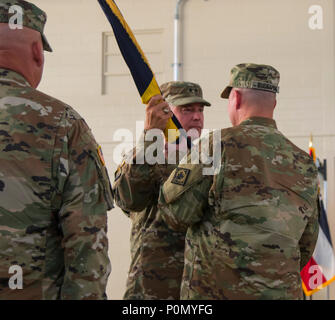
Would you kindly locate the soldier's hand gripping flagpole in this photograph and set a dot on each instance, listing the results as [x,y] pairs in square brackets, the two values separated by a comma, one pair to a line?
[138,65]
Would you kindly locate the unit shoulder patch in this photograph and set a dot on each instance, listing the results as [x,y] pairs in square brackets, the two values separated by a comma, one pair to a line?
[180,177]
[180,180]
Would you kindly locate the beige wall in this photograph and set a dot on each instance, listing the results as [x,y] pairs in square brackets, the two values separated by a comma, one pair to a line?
[217,35]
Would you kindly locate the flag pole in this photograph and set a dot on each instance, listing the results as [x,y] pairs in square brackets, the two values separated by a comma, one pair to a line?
[323,255]
[322,170]
[325,196]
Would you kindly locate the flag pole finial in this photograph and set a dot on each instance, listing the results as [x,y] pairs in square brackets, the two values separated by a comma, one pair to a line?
[311,148]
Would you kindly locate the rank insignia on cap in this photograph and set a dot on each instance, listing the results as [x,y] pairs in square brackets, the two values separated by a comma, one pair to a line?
[180,176]
[101,157]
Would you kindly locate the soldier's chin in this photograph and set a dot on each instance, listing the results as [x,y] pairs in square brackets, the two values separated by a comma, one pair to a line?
[194,132]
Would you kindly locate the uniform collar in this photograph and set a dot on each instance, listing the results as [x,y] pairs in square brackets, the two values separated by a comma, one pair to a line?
[14,77]
[260,121]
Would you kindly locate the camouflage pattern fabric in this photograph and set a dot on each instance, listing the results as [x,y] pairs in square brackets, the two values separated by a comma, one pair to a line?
[179,93]
[54,195]
[253,76]
[253,226]
[157,252]
[33,17]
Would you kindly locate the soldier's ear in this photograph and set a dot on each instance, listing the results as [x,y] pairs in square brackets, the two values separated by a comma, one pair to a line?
[37,52]
[236,98]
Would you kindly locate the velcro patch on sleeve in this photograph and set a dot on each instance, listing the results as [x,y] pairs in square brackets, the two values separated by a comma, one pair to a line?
[180,177]
[180,180]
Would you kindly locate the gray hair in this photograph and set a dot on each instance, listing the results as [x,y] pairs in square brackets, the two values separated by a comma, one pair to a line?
[257,97]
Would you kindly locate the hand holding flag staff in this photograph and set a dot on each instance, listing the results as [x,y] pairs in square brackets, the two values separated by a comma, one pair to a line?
[138,65]
[319,272]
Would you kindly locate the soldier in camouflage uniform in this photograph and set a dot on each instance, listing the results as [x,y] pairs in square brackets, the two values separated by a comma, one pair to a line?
[54,186]
[157,252]
[252,226]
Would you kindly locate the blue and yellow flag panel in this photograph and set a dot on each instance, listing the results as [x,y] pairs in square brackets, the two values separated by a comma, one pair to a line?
[134,57]
[131,52]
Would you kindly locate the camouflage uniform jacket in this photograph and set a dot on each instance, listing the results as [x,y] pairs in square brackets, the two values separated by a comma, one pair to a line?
[254,224]
[54,195]
[157,252]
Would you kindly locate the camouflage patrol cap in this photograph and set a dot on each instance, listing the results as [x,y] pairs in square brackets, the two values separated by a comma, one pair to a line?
[33,17]
[179,93]
[253,76]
